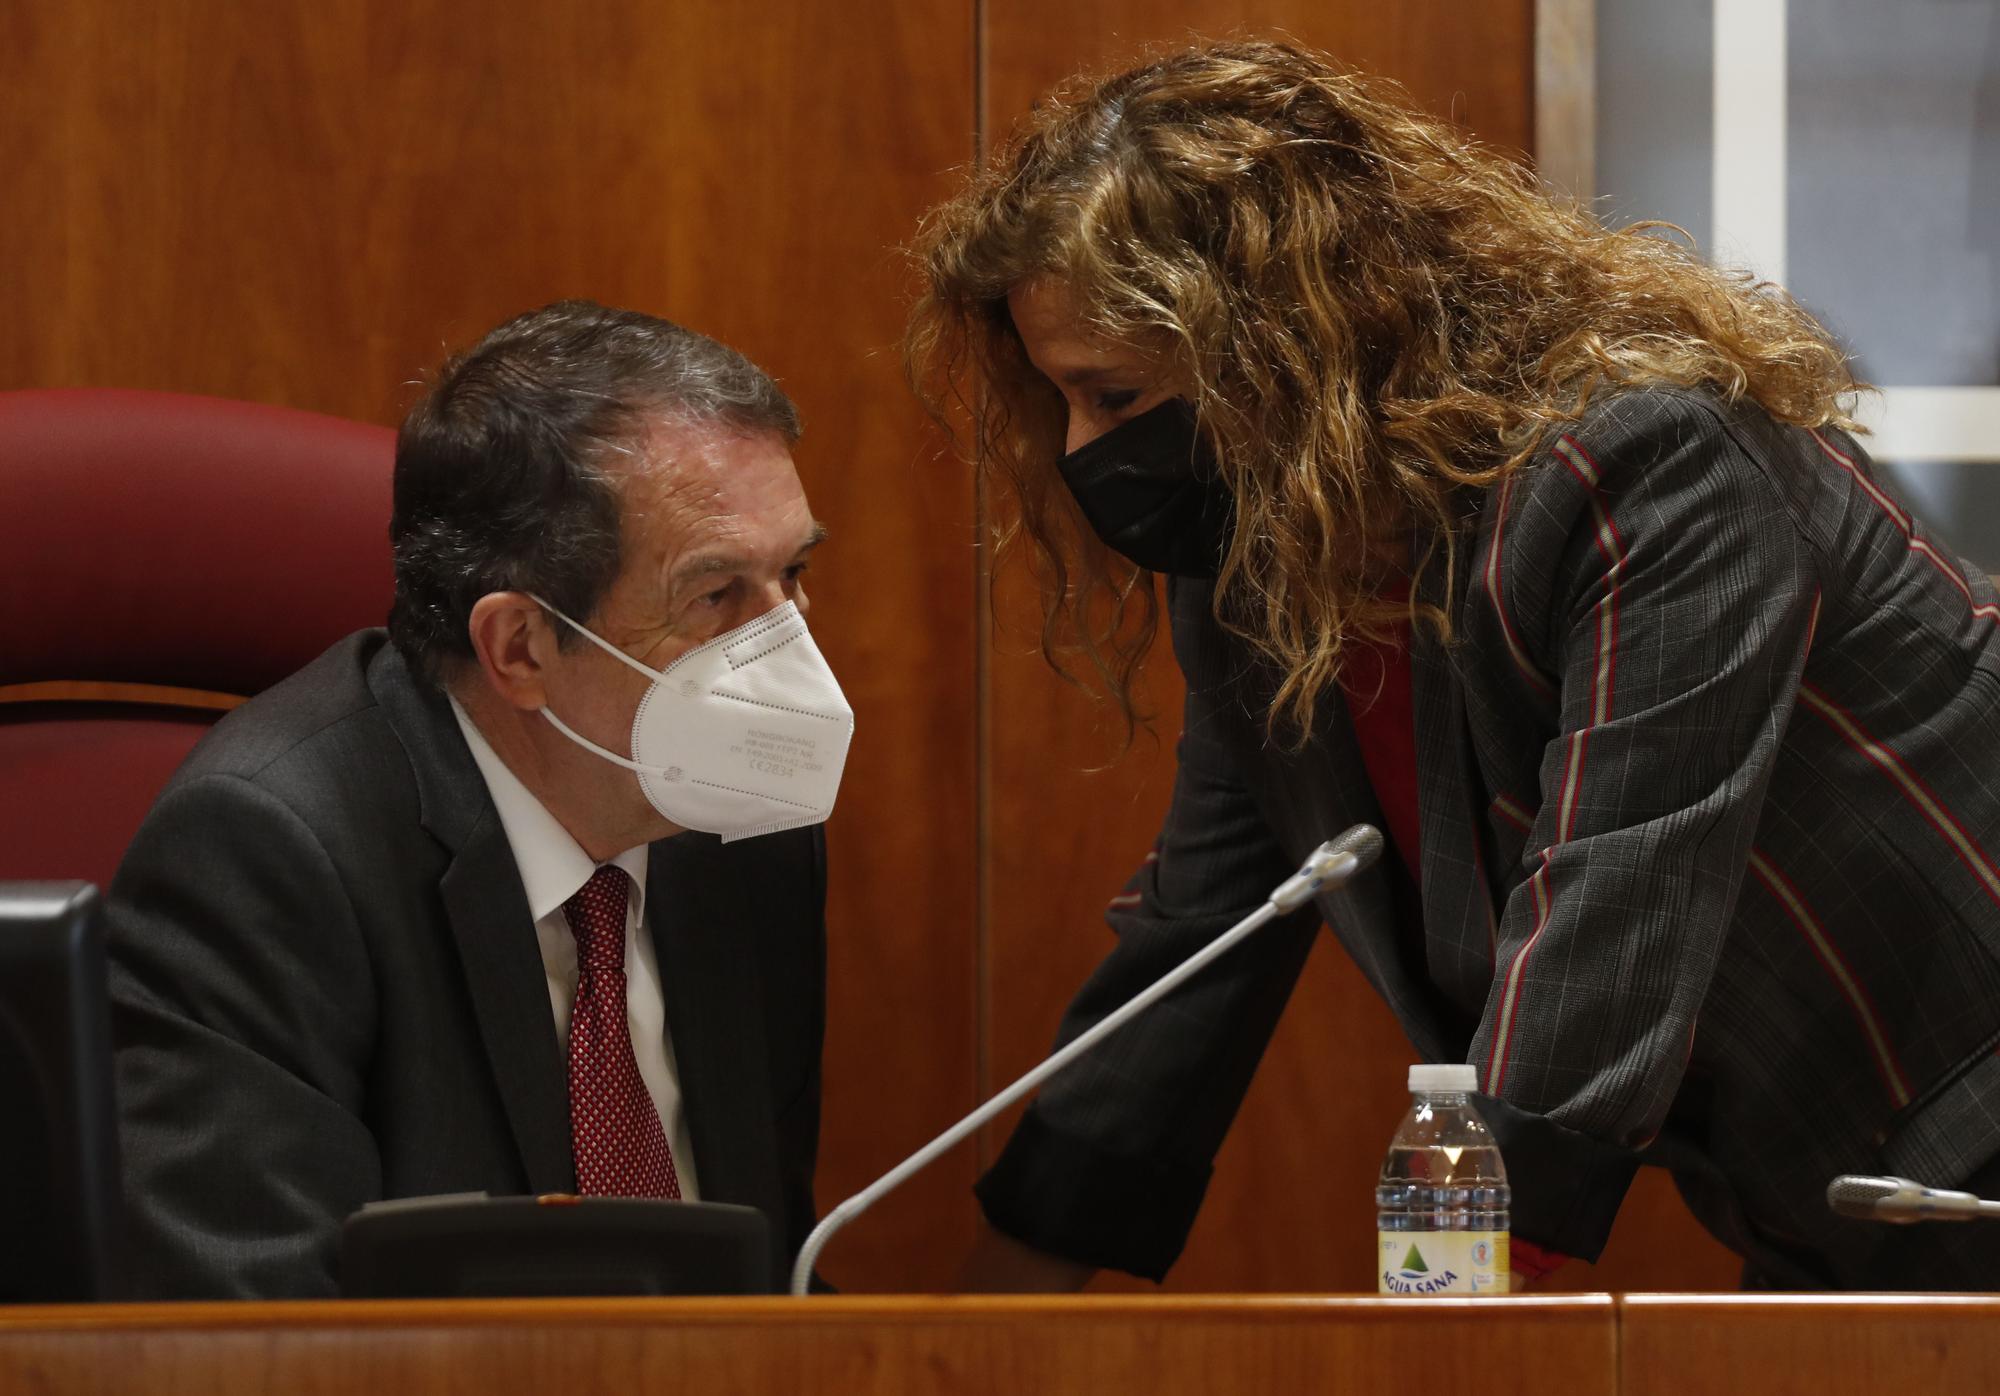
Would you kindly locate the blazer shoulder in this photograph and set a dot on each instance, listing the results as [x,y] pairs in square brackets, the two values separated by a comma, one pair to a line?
[1659,483]
[312,733]
[1662,459]
[1698,429]
[1689,451]
[1643,429]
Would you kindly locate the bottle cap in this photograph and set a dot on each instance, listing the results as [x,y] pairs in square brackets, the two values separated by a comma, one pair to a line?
[1455,1077]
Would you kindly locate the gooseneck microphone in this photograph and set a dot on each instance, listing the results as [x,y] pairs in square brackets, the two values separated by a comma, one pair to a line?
[1330,865]
[1890,1199]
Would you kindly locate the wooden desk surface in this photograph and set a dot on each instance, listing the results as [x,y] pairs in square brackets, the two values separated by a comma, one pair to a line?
[1805,1345]
[1569,1345]
[1101,1345]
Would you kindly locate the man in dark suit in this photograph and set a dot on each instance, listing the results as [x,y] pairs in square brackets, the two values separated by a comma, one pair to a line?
[406,924]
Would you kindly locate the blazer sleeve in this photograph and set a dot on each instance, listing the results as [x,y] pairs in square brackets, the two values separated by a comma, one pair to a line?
[242,1011]
[1109,1165]
[1671,622]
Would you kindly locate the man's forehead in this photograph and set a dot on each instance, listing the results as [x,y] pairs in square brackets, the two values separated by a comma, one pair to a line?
[698,487]
[670,450]
[678,464]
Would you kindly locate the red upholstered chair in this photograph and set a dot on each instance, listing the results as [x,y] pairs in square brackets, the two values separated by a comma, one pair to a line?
[162,557]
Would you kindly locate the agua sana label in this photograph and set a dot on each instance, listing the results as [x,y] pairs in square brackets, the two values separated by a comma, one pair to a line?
[1441,1262]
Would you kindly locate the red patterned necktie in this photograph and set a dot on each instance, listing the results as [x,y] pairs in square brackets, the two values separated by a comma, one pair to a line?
[621,1150]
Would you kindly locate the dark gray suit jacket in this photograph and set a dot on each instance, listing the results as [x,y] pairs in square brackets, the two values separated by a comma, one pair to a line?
[327,990]
[1709,877]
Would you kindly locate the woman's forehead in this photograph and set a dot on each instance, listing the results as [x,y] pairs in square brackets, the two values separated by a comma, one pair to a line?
[1045,307]
[1059,337]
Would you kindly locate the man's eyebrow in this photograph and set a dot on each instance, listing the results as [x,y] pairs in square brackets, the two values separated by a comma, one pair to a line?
[714,564]
[708,565]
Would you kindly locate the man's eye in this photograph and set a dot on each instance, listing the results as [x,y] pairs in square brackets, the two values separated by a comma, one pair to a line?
[795,571]
[716,597]
[1118,401]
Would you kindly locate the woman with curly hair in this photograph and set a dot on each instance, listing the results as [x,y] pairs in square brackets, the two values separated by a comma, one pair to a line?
[1547,549]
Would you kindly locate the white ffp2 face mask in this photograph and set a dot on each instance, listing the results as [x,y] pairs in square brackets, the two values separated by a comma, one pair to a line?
[743,735]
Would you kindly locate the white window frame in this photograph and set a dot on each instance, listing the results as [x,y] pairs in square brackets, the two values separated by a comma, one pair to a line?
[1907,423]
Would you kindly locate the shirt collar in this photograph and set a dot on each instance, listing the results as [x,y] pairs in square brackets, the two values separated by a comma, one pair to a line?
[553,865]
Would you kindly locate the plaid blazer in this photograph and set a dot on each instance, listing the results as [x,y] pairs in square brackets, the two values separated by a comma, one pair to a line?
[1709,877]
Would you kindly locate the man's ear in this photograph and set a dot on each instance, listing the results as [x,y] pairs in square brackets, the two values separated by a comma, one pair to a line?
[514,641]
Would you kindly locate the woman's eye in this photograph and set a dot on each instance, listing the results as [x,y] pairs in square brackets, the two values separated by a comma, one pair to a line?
[1118,401]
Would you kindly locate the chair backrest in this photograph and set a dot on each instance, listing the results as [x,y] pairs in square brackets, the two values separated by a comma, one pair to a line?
[162,557]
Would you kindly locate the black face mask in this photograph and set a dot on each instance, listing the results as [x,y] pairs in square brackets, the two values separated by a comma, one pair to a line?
[1150,489]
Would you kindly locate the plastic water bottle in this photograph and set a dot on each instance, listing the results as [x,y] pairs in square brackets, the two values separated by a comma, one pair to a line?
[1441,1202]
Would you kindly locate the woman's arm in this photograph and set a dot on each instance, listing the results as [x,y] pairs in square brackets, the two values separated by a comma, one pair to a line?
[1674,623]
[1109,1165]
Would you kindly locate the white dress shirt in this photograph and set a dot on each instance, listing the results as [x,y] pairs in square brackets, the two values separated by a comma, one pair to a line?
[553,869]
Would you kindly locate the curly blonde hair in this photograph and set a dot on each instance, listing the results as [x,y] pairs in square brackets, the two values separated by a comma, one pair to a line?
[1377,319]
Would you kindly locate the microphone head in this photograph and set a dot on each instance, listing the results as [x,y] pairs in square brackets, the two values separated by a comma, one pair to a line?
[1363,843]
[1324,867]
[1853,1195]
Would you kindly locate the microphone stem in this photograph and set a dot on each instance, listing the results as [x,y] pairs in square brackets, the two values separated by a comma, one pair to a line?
[1340,866]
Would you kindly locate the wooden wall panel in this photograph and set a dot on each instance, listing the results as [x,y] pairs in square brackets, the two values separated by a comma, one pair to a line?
[305,203]
[1473,63]
[1291,1207]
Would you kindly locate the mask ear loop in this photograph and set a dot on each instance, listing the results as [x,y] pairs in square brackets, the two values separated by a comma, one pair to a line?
[563,727]
[588,745]
[654,674]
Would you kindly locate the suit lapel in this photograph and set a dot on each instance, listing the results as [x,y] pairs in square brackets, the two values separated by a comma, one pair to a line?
[1306,797]
[489,922]
[1458,904]
[696,904]
[510,997]
[1312,795]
